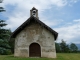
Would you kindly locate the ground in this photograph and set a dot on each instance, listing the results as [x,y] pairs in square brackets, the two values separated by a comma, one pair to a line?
[60,56]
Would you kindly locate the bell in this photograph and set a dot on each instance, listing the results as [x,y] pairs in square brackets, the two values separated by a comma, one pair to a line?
[34,11]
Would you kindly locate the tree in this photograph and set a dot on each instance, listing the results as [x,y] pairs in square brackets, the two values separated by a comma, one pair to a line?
[64,47]
[73,47]
[11,43]
[57,47]
[1,8]
[4,36]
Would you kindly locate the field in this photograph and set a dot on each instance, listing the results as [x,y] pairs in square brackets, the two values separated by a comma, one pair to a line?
[60,56]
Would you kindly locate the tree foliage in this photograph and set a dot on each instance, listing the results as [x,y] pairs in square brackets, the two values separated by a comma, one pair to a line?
[4,36]
[66,48]
[4,39]
[73,47]
[58,47]
[1,8]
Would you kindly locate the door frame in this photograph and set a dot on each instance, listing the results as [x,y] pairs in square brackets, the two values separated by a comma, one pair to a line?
[34,43]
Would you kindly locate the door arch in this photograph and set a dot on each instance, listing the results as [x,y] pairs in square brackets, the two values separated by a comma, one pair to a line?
[34,50]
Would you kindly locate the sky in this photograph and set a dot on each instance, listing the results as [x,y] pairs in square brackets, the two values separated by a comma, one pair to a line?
[63,16]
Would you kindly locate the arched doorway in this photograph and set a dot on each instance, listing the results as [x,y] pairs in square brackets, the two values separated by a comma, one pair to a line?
[34,50]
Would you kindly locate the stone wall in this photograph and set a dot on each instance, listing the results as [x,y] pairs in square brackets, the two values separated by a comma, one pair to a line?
[34,33]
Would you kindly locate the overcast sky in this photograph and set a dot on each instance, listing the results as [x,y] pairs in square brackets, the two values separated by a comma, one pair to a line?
[63,16]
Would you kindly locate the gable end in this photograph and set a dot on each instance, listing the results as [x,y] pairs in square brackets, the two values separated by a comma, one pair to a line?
[28,22]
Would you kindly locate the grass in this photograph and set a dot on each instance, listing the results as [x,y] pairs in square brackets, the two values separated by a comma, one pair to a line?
[60,56]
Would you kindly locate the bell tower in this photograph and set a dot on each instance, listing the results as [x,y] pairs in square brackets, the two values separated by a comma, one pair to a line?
[34,12]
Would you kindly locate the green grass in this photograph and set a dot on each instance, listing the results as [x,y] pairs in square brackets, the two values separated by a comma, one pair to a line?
[60,56]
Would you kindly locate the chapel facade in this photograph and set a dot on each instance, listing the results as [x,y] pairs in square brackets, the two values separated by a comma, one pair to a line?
[34,38]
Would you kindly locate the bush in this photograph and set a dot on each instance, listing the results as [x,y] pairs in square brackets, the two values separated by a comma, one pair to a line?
[4,51]
[8,52]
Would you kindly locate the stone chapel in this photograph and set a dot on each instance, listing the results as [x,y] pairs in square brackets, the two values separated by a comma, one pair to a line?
[34,38]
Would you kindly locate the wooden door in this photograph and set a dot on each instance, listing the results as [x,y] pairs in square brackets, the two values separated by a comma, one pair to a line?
[34,50]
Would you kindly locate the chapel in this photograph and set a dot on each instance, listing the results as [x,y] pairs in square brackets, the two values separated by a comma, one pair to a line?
[34,38]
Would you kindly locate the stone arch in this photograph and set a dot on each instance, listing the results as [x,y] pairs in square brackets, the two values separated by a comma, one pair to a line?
[34,50]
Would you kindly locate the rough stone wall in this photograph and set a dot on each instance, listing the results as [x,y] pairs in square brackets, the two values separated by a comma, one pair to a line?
[35,34]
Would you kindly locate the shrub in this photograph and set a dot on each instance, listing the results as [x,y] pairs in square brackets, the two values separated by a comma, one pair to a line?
[8,52]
